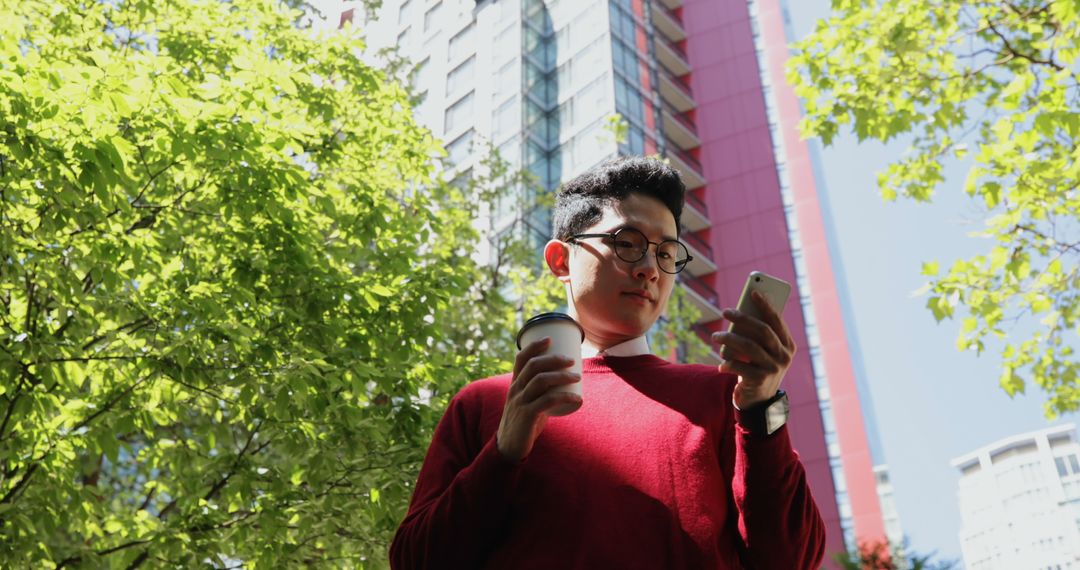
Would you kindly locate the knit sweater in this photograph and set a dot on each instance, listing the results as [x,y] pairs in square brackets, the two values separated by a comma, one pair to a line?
[653,471]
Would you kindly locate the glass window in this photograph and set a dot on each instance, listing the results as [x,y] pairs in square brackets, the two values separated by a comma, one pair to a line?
[534,154]
[587,26]
[462,42]
[566,116]
[420,107]
[505,41]
[622,24]
[459,149]
[533,76]
[635,140]
[420,73]
[460,76]
[562,74]
[507,204]
[431,17]
[506,119]
[459,113]
[587,61]
[510,151]
[540,49]
[506,81]
[405,12]
[589,102]
[1075,465]
[562,40]
[404,37]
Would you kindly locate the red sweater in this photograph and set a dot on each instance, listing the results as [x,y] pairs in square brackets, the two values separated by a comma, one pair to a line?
[651,472]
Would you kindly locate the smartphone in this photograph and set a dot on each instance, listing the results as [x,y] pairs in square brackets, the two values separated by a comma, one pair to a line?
[776,292]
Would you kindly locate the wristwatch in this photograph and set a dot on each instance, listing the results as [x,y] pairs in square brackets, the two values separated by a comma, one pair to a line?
[764,418]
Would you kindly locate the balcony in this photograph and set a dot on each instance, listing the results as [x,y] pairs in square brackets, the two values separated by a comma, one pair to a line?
[690,169]
[676,92]
[695,214]
[671,56]
[679,129]
[702,254]
[703,296]
[667,22]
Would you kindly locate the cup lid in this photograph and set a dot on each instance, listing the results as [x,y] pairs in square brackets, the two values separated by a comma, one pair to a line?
[545,317]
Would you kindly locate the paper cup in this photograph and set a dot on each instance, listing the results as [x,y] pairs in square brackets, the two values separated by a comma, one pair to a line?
[566,338]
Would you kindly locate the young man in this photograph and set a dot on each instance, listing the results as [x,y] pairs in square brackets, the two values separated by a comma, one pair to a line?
[663,466]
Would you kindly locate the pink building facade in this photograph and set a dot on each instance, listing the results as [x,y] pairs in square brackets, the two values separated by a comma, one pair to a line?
[764,213]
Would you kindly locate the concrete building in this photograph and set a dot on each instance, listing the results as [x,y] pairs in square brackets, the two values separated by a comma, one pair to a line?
[700,82]
[1020,502]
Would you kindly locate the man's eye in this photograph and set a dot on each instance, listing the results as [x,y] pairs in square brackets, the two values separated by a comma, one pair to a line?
[664,255]
[626,244]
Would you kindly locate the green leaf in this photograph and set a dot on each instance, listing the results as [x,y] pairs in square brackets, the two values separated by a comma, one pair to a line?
[381,291]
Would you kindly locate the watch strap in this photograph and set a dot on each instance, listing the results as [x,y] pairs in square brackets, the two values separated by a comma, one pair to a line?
[765,418]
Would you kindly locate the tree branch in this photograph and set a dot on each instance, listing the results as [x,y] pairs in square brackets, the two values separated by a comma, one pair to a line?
[108,405]
[22,483]
[1011,50]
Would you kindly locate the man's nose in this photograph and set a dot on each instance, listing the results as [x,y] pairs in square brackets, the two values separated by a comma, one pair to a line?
[647,268]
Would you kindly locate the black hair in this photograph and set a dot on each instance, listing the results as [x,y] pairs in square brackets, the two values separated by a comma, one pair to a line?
[580,202]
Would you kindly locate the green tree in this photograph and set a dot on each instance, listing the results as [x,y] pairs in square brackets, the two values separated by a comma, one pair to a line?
[677,336]
[236,292]
[232,288]
[994,85]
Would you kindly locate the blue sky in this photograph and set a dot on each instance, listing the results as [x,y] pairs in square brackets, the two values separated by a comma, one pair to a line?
[931,402]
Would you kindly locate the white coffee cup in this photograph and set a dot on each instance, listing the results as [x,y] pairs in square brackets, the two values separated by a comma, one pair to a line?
[566,338]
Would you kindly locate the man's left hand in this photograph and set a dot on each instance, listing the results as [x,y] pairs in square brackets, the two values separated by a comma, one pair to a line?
[759,352]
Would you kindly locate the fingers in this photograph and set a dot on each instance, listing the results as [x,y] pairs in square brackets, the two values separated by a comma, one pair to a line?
[738,347]
[543,382]
[550,400]
[755,330]
[524,355]
[748,372]
[534,365]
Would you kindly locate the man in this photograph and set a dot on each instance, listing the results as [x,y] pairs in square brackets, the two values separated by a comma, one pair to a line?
[663,465]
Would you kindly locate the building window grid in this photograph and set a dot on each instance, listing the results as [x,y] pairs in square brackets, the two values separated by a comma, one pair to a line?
[632,95]
[541,129]
[623,20]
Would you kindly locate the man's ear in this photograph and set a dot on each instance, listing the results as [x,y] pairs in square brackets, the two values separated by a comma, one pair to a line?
[557,256]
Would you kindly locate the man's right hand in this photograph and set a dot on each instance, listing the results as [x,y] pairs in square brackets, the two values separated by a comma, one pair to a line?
[530,397]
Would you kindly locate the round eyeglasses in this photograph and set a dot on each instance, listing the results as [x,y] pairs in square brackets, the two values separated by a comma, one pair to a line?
[632,246]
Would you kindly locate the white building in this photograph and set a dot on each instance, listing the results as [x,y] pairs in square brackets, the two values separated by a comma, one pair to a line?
[891,517]
[1020,502]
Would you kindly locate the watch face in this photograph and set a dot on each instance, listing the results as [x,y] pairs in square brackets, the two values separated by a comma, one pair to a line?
[776,415]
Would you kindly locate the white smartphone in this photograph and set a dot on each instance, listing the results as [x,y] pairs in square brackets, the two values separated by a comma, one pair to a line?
[775,290]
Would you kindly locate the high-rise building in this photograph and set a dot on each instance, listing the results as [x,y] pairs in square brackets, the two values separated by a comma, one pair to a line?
[700,82]
[1020,502]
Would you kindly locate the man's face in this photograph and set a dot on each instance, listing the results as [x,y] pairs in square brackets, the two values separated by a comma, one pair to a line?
[615,300]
